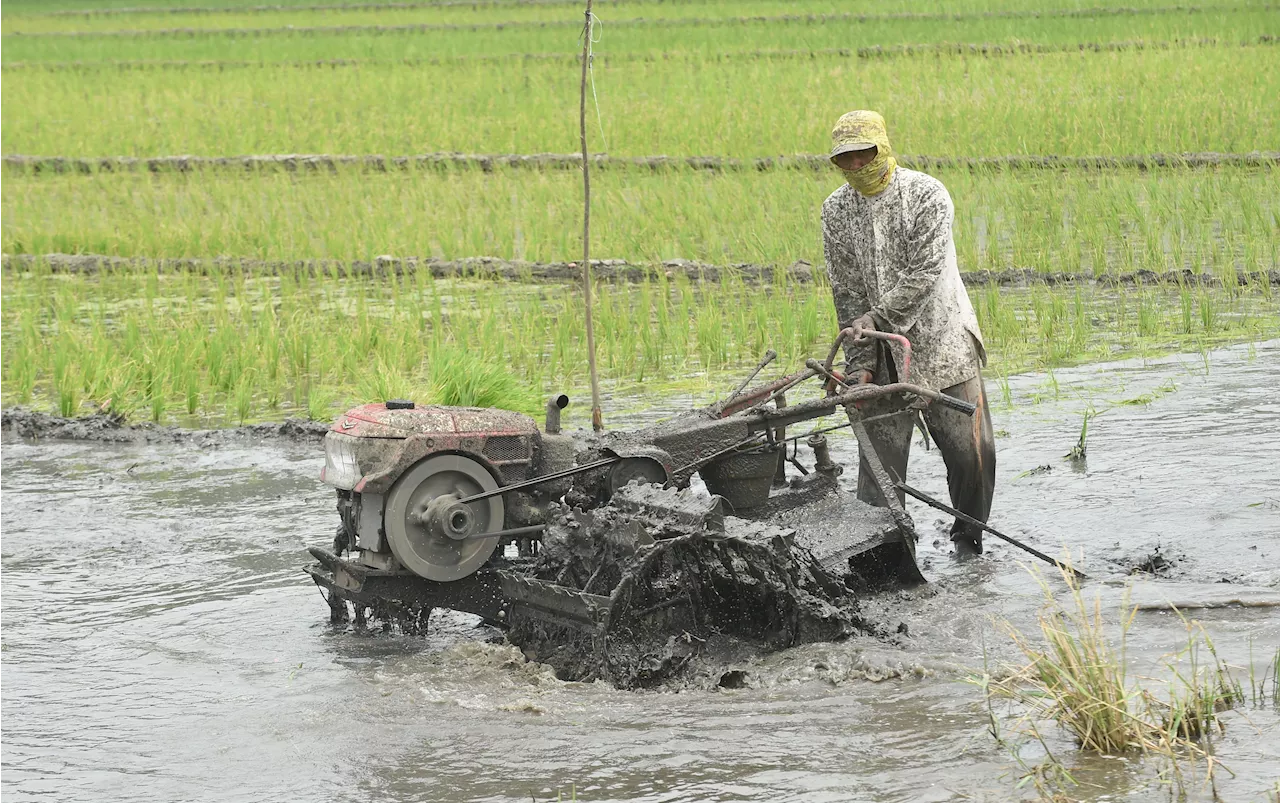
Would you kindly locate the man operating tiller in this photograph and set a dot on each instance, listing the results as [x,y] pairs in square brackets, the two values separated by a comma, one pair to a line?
[892,262]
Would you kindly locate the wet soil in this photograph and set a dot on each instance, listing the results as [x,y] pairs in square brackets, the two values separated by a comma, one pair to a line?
[160,642]
[22,423]
[328,163]
[604,269]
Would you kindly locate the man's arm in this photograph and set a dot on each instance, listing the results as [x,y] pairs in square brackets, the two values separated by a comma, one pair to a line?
[849,296]
[926,257]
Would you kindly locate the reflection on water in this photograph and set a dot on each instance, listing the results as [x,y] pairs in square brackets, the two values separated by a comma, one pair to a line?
[160,643]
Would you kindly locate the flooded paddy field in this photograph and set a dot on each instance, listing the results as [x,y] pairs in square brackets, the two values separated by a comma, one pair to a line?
[161,643]
[159,639]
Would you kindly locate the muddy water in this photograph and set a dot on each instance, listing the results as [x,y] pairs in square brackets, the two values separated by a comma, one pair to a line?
[160,643]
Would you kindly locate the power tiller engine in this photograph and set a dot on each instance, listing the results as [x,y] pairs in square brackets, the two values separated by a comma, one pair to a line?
[594,553]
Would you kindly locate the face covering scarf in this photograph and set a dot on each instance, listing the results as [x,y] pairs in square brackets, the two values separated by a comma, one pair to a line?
[866,128]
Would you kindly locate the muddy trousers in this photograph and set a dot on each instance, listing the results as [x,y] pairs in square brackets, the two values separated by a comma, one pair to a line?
[967,446]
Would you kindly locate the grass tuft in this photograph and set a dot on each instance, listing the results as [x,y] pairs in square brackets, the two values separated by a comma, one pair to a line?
[461,379]
[1076,676]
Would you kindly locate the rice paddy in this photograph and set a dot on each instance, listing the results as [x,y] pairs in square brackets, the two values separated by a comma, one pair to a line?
[1108,103]
[215,350]
[1221,222]
[744,80]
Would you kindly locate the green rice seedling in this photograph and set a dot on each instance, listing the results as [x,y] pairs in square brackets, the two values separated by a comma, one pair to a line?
[715,30]
[1148,315]
[1274,671]
[19,373]
[756,217]
[1197,693]
[191,392]
[67,386]
[1188,306]
[273,393]
[1268,684]
[1080,451]
[458,378]
[1006,393]
[710,337]
[1208,312]
[993,107]
[320,403]
[242,394]
[158,403]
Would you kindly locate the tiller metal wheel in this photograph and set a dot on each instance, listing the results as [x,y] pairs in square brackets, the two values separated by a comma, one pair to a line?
[430,531]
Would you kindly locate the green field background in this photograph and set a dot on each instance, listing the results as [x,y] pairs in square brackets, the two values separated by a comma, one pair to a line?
[760,78]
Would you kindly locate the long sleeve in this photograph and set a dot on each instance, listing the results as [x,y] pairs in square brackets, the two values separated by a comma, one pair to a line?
[847,292]
[928,244]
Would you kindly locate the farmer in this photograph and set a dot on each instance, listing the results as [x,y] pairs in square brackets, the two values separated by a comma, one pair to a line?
[886,235]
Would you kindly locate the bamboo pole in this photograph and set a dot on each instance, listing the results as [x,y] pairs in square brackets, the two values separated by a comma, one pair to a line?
[597,420]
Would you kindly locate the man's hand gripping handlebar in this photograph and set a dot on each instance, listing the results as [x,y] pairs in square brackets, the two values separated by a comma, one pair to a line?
[873,391]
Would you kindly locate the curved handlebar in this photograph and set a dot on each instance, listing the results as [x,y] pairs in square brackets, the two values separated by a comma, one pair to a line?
[854,393]
[871,334]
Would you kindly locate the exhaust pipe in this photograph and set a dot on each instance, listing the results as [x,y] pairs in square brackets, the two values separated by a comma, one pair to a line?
[554,405]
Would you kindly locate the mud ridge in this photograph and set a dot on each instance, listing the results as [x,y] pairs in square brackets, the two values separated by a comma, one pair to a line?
[980,49]
[374,163]
[22,423]
[689,22]
[603,269]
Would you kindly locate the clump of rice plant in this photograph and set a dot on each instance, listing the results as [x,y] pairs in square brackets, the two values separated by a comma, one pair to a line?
[66,382]
[1080,451]
[319,403]
[242,396]
[458,378]
[383,381]
[1076,676]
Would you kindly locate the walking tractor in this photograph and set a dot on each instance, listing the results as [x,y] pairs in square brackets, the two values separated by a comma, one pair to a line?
[594,552]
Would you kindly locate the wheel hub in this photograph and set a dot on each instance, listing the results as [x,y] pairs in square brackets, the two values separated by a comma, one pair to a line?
[429,530]
[446,517]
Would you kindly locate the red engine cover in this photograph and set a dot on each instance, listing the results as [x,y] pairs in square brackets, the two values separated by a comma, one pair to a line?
[376,421]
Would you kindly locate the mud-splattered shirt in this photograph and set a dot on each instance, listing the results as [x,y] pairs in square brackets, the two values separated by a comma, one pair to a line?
[893,255]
